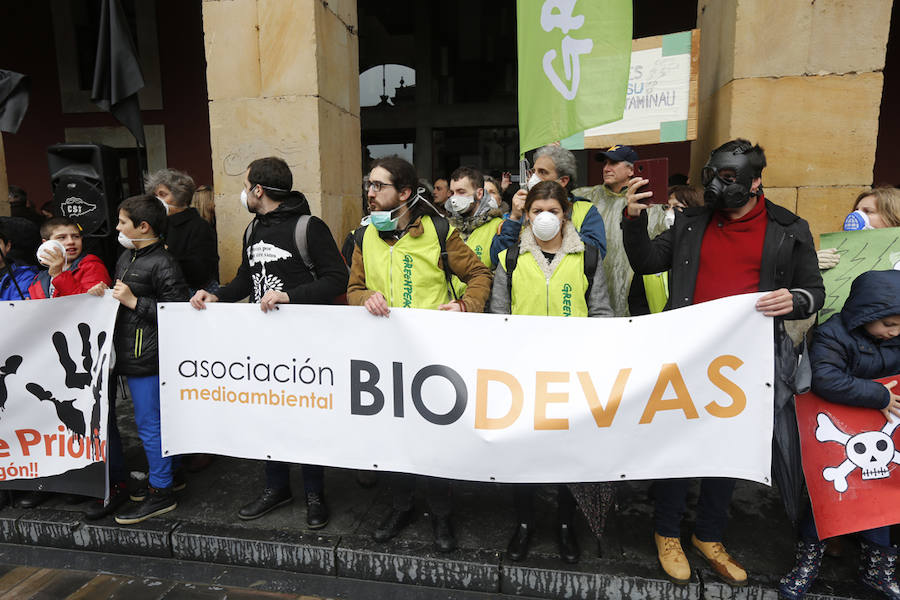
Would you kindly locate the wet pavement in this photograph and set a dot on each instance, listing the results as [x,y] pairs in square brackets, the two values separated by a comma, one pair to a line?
[205,532]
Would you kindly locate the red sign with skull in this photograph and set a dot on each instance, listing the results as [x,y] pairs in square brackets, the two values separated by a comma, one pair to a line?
[849,459]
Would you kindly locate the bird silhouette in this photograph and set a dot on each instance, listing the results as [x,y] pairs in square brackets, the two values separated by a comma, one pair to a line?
[12,365]
[70,416]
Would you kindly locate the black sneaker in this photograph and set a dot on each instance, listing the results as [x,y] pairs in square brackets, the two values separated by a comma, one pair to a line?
[118,495]
[159,501]
[316,510]
[393,524]
[139,493]
[268,501]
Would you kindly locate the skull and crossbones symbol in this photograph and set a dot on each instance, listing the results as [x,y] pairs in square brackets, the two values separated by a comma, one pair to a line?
[871,451]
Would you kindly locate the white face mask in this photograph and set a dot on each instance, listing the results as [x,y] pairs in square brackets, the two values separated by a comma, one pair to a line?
[49,246]
[545,226]
[128,243]
[856,221]
[670,217]
[460,204]
[532,181]
[244,200]
[165,204]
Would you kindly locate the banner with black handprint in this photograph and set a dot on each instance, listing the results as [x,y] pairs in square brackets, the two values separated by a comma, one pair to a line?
[54,373]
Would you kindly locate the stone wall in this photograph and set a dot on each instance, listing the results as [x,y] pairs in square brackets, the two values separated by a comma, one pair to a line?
[804,80]
[283,80]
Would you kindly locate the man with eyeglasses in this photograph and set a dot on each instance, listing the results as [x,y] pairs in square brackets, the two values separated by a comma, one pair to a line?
[398,262]
[737,243]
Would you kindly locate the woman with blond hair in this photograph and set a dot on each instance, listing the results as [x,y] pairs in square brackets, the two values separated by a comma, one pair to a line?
[876,208]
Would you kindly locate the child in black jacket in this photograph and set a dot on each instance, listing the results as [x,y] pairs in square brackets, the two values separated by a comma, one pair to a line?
[145,274]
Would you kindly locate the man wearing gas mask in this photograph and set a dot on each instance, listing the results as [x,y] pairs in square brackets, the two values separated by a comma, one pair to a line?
[552,163]
[738,242]
[474,213]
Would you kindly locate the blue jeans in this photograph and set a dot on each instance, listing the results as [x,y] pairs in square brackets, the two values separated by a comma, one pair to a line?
[145,395]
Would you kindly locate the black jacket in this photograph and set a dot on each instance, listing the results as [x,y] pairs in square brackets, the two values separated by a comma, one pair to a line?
[192,241]
[788,256]
[845,358]
[153,276]
[270,259]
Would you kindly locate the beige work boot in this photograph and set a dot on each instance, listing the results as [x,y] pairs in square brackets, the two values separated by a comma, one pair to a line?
[672,559]
[721,562]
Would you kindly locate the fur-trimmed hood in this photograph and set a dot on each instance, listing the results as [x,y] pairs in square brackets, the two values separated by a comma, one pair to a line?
[571,244]
[467,225]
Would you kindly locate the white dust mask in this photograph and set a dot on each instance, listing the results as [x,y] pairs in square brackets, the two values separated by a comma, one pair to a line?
[545,226]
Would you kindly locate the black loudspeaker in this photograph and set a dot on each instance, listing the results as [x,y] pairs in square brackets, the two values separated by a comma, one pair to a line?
[87,186]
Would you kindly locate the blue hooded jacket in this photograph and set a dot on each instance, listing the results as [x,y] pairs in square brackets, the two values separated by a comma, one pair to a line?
[845,358]
[23,275]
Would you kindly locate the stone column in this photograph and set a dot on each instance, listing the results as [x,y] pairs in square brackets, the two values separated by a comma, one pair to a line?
[283,80]
[804,80]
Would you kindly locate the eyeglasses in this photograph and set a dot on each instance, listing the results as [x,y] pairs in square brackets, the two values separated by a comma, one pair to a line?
[376,185]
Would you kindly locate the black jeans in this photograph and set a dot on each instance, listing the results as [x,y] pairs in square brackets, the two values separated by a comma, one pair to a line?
[712,507]
[437,493]
[278,476]
[880,536]
[523,499]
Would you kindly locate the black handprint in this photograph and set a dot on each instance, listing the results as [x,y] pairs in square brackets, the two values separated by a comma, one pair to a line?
[70,416]
[12,365]
[98,393]
[74,379]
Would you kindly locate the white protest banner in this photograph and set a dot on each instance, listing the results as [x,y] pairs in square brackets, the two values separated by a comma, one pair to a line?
[686,393]
[54,373]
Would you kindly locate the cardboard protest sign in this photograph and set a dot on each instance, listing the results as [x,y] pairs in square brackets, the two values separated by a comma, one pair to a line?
[861,251]
[850,462]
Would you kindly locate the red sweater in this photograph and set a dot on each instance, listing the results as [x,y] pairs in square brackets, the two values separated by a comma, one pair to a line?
[730,255]
[89,272]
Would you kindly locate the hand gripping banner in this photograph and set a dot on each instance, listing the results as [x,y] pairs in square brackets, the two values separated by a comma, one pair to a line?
[54,373]
[480,397]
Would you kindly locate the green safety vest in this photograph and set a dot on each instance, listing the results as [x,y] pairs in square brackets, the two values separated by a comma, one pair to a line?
[407,273]
[480,243]
[561,296]
[580,210]
[656,286]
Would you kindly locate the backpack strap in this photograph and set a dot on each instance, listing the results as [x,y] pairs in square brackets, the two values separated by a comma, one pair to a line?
[512,259]
[300,240]
[442,227]
[358,236]
[591,256]
[248,233]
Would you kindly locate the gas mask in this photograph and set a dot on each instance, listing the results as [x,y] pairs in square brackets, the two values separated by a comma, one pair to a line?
[727,178]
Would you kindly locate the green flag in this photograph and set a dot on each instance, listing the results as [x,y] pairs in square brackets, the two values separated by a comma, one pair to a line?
[573,66]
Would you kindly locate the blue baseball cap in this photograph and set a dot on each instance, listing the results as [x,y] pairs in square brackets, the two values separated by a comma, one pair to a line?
[618,154]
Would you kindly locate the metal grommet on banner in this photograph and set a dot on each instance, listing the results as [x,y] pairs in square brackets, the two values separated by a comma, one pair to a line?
[376,466]
[622,476]
[162,383]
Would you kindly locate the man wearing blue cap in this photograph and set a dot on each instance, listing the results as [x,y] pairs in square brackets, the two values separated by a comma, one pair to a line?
[609,198]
